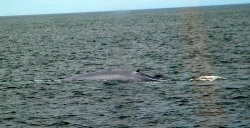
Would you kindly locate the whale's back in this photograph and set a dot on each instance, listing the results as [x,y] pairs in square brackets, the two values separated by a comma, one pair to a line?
[111,75]
[108,75]
[115,75]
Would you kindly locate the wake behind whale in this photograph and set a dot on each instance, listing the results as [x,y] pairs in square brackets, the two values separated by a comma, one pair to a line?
[135,76]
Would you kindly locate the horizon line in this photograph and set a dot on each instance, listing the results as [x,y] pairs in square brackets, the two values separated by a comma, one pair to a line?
[41,14]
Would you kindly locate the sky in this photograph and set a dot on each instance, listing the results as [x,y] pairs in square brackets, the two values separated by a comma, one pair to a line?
[34,7]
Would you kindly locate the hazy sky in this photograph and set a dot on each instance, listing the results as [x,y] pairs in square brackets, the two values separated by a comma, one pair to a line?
[31,7]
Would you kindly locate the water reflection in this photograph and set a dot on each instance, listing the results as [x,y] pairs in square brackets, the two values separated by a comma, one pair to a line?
[198,62]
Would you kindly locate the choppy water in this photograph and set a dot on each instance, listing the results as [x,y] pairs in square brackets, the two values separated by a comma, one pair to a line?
[181,44]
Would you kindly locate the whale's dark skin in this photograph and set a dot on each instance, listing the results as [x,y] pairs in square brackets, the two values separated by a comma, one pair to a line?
[135,76]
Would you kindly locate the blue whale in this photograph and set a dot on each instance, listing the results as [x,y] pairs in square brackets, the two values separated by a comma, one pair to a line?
[135,76]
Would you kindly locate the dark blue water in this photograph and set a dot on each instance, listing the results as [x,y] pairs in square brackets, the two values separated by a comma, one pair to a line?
[181,44]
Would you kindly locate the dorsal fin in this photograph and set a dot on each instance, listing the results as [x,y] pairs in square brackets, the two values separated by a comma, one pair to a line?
[137,70]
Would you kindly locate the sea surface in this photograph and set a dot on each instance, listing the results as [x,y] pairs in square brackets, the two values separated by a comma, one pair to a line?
[182,44]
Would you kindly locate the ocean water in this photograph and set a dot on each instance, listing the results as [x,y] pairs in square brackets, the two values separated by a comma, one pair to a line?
[183,44]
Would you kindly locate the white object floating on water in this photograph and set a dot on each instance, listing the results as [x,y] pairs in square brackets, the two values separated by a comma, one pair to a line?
[207,78]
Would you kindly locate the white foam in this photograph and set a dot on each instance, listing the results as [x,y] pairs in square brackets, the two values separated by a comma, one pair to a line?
[38,80]
[207,78]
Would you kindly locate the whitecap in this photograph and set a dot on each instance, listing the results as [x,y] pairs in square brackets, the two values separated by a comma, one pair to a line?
[207,78]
